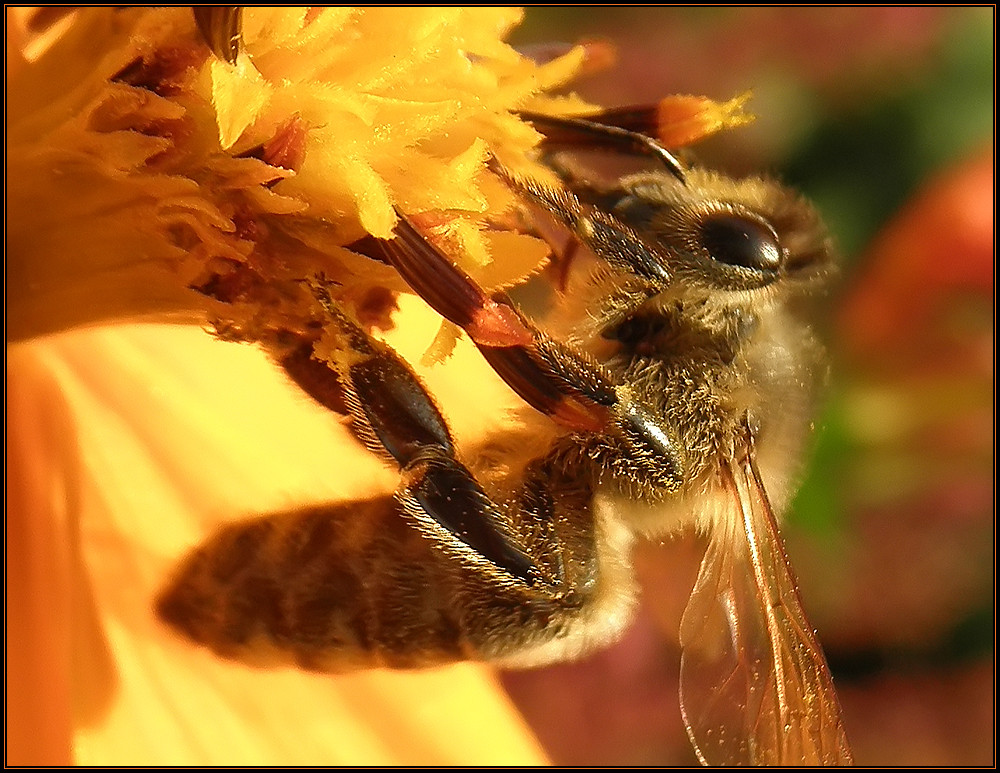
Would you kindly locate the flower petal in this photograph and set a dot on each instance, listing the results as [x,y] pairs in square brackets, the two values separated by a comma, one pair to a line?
[164,433]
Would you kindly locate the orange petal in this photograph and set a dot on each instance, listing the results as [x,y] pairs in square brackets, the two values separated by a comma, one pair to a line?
[126,447]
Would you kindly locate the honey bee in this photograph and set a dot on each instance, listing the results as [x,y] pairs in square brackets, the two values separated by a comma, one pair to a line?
[670,386]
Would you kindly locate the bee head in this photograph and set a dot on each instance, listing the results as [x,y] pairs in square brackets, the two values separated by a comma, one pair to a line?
[718,233]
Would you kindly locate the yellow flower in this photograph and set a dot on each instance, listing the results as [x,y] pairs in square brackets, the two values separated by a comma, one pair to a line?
[139,166]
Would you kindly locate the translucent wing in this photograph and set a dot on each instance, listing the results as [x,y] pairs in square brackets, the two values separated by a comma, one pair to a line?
[755,686]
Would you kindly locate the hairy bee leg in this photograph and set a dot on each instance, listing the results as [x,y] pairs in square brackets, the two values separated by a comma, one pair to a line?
[572,389]
[395,416]
[437,573]
[616,242]
[568,386]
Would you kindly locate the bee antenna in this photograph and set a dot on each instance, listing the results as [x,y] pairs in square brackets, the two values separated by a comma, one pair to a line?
[581,132]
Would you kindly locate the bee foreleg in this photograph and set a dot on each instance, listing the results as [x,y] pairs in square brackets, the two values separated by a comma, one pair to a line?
[614,240]
[567,385]
[571,388]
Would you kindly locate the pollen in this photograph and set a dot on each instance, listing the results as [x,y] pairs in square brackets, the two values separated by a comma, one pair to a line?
[146,167]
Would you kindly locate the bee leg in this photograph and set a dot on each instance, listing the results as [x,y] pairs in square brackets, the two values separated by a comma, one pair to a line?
[437,573]
[396,418]
[594,225]
[570,387]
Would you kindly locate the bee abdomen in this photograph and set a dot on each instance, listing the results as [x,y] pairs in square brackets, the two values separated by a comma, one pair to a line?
[333,588]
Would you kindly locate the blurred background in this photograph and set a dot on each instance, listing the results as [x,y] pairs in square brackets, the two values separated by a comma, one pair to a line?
[884,117]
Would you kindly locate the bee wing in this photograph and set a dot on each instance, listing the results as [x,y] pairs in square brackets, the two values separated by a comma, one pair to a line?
[755,686]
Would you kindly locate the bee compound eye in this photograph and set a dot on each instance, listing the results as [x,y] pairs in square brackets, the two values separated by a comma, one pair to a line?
[741,241]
